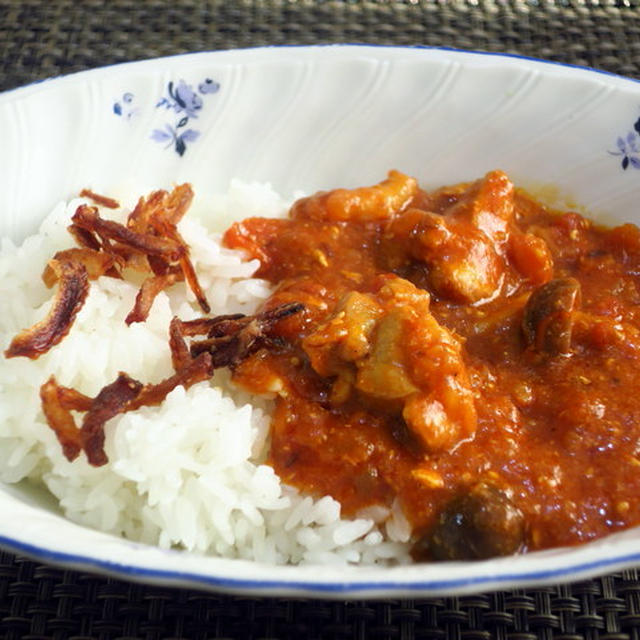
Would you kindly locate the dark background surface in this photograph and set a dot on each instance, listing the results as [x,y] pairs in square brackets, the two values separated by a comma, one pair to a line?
[40,39]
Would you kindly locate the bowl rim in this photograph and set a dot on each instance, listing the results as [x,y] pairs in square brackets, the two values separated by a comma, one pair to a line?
[332,589]
[336,46]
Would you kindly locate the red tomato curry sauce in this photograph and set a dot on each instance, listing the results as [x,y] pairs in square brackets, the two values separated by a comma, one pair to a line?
[466,352]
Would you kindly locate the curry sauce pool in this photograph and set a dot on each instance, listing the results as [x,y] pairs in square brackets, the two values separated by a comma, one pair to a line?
[452,373]
[454,340]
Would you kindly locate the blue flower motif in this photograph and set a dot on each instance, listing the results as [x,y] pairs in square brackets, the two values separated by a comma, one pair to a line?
[171,136]
[187,103]
[628,149]
[184,102]
[208,86]
[124,106]
[182,98]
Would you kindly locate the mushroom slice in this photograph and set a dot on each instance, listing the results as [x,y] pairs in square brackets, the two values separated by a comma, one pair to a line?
[548,319]
[479,523]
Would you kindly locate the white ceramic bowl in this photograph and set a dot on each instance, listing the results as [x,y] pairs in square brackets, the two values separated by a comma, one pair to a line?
[307,119]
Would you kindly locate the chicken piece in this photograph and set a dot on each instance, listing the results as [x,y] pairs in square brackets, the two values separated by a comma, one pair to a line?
[349,330]
[463,264]
[365,204]
[464,248]
[488,206]
[388,346]
[468,247]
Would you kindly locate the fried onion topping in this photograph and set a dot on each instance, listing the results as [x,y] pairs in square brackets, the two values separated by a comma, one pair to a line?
[198,370]
[150,288]
[88,218]
[73,287]
[161,206]
[123,395]
[96,263]
[105,201]
[84,238]
[232,338]
[111,401]
[150,240]
[180,355]
[60,419]
[150,243]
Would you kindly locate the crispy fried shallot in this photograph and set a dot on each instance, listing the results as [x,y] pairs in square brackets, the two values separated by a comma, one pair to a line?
[74,400]
[198,370]
[97,263]
[150,288]
[192,280]
[60,419]
[202,326]
[233,338]
[161,206]
[84,238]
[88,218]
[123,395]
[105,201]
[230,338]
[111,401]
[73,287]
[174,208]
[180,355]
[149,242]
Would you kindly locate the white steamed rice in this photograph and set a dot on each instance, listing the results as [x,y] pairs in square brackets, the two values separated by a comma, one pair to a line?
[190,473]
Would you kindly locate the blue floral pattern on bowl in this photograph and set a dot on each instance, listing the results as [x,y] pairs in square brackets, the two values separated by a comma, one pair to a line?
[186,105]
[124,106]
[629,148]
[181,99]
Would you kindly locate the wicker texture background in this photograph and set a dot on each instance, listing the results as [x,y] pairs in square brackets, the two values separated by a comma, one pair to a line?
[44,38]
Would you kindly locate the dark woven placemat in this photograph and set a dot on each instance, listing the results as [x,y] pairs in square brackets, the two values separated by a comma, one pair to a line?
[40,602]
[43,38]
